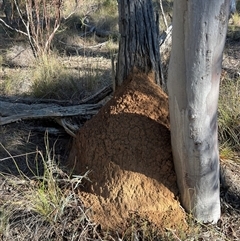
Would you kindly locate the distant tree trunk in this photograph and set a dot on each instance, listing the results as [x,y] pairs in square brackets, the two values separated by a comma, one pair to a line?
[199,31]
[138,47]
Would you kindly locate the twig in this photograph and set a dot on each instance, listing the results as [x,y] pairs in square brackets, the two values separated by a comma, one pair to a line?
[20,155]
[163,14]
[67,127]
[73,12]
[173,233]
[14,29]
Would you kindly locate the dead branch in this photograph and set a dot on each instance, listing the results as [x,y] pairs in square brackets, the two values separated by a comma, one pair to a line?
[11,28]
[163,14]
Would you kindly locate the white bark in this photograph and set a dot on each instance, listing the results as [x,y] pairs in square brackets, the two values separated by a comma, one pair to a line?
[199,32]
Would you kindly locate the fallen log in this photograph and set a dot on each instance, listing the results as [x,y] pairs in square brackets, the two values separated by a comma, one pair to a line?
[18,111]
[28,109]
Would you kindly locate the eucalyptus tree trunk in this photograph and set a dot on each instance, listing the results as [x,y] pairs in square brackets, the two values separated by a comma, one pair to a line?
[138,47]
[199,32]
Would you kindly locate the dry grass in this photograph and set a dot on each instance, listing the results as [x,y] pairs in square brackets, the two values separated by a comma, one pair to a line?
[47,206]
[69,78]
[229,117]
[54,77]
[236,19]
[44,207]
[50,79]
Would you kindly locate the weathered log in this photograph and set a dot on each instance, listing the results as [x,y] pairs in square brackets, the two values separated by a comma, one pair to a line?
[16,112]
[230,182]
[13,110]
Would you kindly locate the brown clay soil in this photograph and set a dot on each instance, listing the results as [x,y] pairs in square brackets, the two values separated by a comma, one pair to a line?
[127,148]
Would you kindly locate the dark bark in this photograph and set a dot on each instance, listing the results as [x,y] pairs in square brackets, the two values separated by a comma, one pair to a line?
[138,47]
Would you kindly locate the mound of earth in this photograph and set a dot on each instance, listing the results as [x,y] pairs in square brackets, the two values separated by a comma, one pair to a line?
[127,148]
